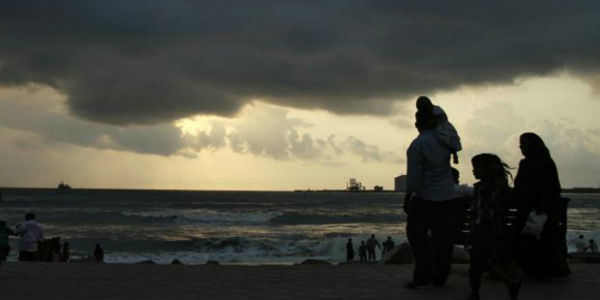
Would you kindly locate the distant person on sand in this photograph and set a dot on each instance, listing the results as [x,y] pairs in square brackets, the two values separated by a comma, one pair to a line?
[349,251]
[444,130]
[431,212]
[593,247]
[31,234]
[388,245]
[537,191]
[580,244]
[371,243]
[64,257]
[5,232]
[460,190]
[491,243]
[362,251]
[98,253]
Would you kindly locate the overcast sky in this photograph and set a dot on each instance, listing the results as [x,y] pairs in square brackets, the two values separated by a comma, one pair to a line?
[284,94]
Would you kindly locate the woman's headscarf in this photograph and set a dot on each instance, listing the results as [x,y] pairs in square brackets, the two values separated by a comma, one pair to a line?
[535,146]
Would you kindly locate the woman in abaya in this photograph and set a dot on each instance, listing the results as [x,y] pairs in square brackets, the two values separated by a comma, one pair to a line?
[537,188]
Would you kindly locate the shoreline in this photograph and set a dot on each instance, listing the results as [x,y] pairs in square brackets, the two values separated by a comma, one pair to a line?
[572,190]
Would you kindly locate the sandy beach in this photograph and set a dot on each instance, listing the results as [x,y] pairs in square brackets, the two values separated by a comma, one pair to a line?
[122,281]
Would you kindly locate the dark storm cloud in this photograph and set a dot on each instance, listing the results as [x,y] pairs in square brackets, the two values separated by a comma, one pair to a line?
[163,139]
[265,131]
[123,62]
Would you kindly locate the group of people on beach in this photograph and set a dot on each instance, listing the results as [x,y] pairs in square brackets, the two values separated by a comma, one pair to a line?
[435,206]
[581,246]
[31,236]
[366,250]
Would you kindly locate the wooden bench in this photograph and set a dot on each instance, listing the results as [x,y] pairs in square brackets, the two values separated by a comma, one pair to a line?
[510,218]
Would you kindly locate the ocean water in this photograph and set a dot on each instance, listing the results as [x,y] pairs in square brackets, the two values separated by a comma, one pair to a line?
[230,227]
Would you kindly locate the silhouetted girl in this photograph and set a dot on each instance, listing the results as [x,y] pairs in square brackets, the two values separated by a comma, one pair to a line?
[491,241]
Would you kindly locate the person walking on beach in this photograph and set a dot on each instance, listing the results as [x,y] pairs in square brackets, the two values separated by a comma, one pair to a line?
[371,243]
[362,251]
[580,244]
[349,251]
[460,190]
[491,243]
[31,234]
[5,232]
[388,245]
[64,257]
[431,213]
[537,191]
[98,253]
[593,247]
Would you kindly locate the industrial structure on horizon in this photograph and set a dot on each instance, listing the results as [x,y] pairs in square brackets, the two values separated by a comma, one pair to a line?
[354,186]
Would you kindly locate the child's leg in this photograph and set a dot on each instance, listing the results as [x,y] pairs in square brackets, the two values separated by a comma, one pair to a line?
[481,252]
[478,266]
[507,272]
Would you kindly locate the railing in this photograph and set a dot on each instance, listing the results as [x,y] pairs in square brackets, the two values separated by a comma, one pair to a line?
[510,218]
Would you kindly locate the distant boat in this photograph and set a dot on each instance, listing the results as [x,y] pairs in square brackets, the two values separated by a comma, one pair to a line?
[63,186]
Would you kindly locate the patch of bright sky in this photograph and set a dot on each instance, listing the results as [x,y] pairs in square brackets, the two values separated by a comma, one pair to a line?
[562,98]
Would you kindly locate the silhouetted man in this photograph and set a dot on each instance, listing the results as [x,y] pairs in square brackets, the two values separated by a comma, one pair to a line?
[593,247]
[388,245]
[5,232]
[98,253]
[371,243]
[580,244]
[460,190]
[362,251]
[65,252]
[31,234]
[349,251]
[431,221]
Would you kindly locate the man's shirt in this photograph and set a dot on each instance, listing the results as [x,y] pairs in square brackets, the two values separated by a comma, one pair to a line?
[31,234]
[428,168]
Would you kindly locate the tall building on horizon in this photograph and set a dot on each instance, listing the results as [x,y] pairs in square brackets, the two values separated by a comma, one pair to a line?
[400,183]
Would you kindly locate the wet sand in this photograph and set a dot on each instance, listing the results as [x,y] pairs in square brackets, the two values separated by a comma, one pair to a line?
[119,281]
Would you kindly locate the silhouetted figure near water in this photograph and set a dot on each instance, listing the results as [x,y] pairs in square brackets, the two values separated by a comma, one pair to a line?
[388,245]
[537,190]
[593,247]
[31,234]
[362,251]
[349,251]
[5,232]
[431,222]
[491,242]
[444,130]
[65,252]
[371,244]
[580,244]
[98,253]
[460,190]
